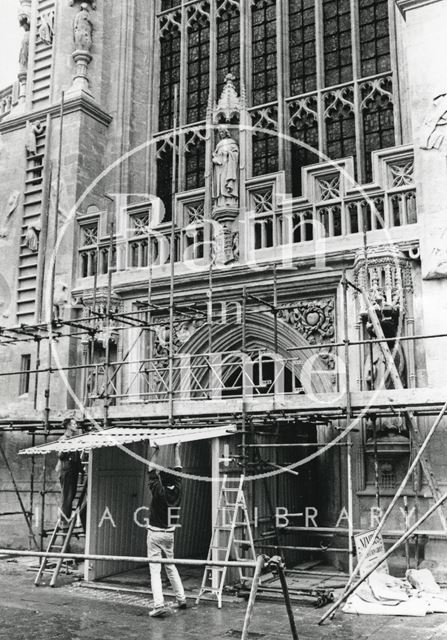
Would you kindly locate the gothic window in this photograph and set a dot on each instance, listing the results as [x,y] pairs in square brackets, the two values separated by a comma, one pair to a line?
[378,119]
[302,46]
[340,123]
[228,43]
[169,76]
[337,81]
[374,36]
[304,128]
[264,52]
[198,66]
[164,177]
[264,143]
[337,41]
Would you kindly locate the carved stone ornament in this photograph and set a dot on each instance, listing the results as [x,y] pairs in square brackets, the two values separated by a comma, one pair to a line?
[25,14]
[433,130]
[46,29]
[384,273]
[313,319]
[229,105]
[105,331]
[91,2]
[12,203]
[437,262]
[5,297]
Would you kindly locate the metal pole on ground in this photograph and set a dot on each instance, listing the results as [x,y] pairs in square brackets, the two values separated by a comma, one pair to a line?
[260,564]
[278,565]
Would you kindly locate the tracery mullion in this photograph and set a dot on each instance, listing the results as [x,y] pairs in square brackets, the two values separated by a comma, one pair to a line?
[398,124]
[183,93]
[281,80]
[357,72]
[319,45]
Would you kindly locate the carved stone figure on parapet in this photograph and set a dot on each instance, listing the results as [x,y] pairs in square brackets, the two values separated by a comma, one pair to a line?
[226,171]
[83,29]
[433,130]
[24,53]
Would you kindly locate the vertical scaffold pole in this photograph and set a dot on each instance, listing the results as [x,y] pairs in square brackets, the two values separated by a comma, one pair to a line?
[172,259]
[348,420]
[51,319]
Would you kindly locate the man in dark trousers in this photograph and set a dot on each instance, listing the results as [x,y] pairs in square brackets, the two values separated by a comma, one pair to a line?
[68,468]
[166,489]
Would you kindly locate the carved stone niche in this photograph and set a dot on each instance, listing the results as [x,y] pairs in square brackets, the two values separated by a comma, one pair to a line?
[226,173]
[104,331]
[384,273]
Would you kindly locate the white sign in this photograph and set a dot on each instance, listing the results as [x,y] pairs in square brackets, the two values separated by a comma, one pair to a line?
[369,559]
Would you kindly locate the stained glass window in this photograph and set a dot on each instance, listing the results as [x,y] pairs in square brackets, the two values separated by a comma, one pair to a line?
[198,68]
[337,41]
[228,45]
[195,164]
[169,4]
[265,153]
[169,76]
[164,178]
[374,36]
[378,120]
[264,50]
[304,128]
[302,46]
[340,124]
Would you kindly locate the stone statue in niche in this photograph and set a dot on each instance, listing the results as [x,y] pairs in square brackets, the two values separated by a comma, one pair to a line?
[433,130]
[32,237]
[226,171]
[83,29]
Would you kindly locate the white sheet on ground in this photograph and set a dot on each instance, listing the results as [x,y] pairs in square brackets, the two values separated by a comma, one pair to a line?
[385,595]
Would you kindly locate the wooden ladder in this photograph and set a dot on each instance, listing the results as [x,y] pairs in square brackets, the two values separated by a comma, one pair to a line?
[60,538]
[409,415]
[233,522]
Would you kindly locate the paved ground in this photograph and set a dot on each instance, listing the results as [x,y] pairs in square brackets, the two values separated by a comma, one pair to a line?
[71,612]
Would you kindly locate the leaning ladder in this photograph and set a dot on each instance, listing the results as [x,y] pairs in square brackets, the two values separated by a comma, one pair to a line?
[409,415]
[233,522]
[60,538]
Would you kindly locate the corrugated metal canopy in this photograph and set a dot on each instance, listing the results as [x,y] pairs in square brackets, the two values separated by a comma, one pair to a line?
[120,436]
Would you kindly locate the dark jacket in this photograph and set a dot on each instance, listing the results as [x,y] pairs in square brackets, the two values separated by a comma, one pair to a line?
[166,494]
[70,462]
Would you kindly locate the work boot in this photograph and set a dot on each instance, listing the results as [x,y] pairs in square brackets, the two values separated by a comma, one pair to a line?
[180,604]
[158,612]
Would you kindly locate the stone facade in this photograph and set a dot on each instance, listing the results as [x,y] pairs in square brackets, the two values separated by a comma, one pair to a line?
[365,201]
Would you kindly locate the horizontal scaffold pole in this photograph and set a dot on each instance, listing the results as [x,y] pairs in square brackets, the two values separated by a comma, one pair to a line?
[143,560]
